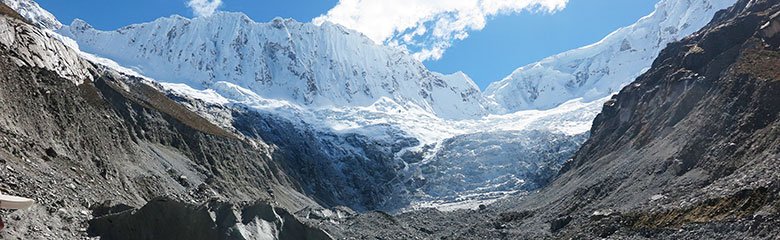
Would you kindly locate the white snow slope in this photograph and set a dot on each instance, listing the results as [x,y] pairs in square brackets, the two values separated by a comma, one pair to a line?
[30,10]
[603,68]
[316,66]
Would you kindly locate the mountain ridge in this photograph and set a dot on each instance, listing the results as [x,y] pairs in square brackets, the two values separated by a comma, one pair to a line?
[600,69]
[311,65]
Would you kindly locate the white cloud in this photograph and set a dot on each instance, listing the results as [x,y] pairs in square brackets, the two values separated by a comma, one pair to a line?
[204,7]
[427,27]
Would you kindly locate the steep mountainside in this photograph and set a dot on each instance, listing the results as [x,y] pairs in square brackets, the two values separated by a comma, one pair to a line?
[601,69]
[319,66]
[689,150]
[79,138]
[333,66]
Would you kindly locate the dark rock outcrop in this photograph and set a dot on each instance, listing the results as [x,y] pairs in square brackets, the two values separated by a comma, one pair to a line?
[165,218]
[336,169]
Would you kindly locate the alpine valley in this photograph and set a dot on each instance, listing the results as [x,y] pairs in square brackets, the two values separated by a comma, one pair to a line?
[220,127]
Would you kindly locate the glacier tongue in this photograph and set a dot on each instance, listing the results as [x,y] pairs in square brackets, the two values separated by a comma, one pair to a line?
[603,68]
[306,64]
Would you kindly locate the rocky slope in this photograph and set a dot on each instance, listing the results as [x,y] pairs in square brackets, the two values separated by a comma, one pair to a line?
[79,138]
[687,151]
[314,157]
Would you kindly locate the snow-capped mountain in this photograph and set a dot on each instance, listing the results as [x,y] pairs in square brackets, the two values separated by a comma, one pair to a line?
[318,66]
[603,68]
[378,129]
[34,13]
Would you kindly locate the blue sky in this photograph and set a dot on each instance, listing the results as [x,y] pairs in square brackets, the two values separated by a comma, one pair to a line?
[505,43]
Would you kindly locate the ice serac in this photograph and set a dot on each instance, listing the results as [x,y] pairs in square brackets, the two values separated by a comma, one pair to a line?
[470,168]
[33,12]
[601,69]
[310,65]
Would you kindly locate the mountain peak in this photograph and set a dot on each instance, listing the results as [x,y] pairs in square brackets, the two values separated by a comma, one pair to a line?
[308,64]
[80,25]
[601,69]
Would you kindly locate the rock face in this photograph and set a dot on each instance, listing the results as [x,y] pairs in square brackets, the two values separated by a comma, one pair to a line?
[73,135]
[33,47]
[691,143]
[688,150]
[337,169]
